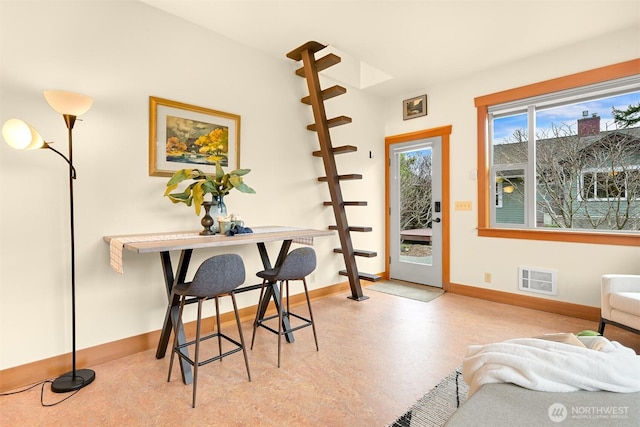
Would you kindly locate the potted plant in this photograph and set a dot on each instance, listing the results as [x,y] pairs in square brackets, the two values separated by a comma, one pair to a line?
[218,185]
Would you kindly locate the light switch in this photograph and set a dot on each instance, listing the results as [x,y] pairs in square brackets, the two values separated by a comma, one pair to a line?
[464,205]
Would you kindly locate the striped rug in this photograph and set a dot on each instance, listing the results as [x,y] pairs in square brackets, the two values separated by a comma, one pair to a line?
[435,407]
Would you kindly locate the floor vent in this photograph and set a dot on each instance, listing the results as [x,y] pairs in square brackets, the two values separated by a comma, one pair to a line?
[538,280]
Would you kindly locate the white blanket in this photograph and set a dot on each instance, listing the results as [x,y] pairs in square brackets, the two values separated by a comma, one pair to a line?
[550,366]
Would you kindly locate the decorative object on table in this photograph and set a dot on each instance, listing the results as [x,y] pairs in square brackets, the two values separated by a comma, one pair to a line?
[207,221]
[238,229]
[211,222]
[414,107]
[181,135]
[22,136]
[218,185]
[226,222]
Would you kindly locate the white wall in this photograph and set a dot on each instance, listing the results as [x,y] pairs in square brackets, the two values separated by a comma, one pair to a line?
[120,53]
[579,265]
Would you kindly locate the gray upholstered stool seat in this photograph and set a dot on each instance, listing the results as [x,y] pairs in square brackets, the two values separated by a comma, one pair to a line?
[217,276]
[298,264]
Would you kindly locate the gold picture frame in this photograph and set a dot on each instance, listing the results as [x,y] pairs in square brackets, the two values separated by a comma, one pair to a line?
[183,136]
[414,107]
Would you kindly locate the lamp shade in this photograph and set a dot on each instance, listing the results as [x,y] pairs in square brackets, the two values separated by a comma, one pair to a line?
[21,136]
[70,103]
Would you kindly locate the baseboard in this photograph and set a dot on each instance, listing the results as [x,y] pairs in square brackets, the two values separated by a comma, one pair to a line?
[30,373]
[541,304]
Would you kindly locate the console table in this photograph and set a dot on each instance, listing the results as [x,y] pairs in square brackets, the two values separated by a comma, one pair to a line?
[186,242]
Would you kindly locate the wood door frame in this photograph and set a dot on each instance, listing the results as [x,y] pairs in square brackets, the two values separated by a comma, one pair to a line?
[442,132]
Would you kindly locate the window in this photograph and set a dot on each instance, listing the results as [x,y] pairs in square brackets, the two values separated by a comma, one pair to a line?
[610,185]
[562,158]
[510,194]
[573,161]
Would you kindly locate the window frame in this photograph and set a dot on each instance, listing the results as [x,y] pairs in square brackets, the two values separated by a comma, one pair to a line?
[485,185]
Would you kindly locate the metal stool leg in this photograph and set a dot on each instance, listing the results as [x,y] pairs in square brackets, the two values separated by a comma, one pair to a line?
[197,355]
[313,323]
[218,330]
[244,348]
[288,309]
[280,332]
[255,322]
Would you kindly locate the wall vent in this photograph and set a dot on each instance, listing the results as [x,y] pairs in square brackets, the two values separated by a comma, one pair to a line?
[538,280]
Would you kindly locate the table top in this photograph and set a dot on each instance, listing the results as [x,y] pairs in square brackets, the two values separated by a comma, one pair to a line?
[175,241]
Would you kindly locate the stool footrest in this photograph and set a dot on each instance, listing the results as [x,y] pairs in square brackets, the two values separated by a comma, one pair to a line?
[285,331]
[247,288]
[186,357]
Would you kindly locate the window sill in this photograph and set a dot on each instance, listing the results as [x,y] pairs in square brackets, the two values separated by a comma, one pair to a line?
[619,239]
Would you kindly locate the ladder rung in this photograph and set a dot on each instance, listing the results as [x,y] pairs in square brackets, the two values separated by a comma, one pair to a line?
[332,92]
[359,252]
[342,177]
[322,64]
[364,276]
[353,228]
[359,203]
[296,54]
[339,150]
[336,121]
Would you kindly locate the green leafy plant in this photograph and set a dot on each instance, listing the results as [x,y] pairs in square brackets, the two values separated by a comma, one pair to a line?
[219,184]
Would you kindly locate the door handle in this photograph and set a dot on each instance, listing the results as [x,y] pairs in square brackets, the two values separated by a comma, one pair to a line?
[436,220]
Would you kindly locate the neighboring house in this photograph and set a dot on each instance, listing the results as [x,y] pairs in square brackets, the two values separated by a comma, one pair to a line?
[586,181]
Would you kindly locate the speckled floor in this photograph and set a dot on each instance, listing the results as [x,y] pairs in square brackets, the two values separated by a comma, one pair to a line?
[376,358]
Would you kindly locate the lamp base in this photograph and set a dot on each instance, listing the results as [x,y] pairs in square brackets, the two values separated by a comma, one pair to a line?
[70,382]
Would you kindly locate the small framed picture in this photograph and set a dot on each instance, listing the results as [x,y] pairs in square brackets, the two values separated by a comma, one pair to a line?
[183,136]
[414,107]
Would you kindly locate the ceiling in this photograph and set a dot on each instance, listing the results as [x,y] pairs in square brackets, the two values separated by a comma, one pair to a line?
[414,43]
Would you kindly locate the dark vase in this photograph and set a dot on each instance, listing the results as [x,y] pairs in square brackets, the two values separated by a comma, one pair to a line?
[207,221]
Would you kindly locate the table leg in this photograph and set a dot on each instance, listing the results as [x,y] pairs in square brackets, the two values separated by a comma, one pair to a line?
[272,290]
[172,314]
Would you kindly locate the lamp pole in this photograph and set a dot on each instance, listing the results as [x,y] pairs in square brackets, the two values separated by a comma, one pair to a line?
[75,379]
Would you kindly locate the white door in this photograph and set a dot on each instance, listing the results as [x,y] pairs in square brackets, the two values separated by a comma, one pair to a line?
[415,192]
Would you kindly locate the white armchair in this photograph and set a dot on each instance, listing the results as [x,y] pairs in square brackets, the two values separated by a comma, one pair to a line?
[620,302]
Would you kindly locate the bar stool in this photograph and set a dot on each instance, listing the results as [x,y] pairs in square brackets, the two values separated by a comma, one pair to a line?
[298,264]
[216,277]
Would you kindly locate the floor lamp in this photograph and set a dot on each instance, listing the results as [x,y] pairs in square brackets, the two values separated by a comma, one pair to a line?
[22,136]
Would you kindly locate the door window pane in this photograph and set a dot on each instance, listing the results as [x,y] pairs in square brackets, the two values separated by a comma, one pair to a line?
[416,206]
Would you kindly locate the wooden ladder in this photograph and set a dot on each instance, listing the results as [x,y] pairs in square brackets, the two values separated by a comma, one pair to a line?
[309,71]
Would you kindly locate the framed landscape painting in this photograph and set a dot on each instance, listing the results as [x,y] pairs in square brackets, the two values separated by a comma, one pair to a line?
[414,107]
[183,136]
